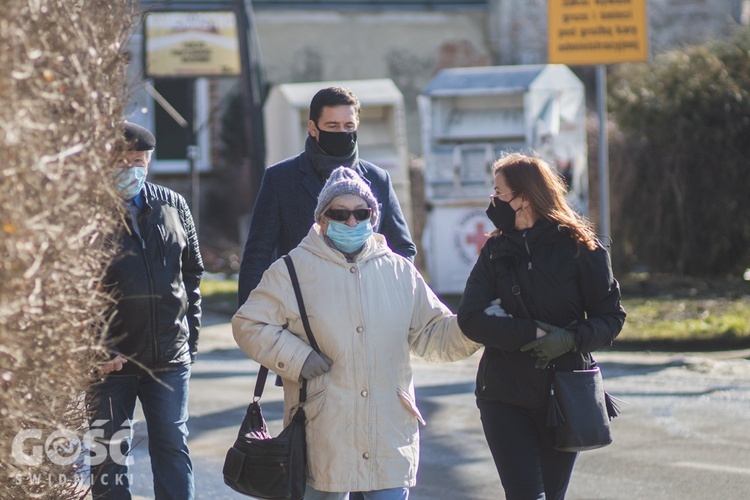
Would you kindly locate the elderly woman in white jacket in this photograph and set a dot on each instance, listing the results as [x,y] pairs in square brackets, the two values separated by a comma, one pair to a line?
[369,309]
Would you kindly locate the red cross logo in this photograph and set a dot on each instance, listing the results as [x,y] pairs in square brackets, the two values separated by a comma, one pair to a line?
[477,238]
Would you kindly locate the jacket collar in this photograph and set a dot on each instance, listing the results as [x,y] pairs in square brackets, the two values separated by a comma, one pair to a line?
[514,243]
[147,196]
[312,183]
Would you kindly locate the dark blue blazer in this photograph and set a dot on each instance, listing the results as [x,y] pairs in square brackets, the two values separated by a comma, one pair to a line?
[283,215]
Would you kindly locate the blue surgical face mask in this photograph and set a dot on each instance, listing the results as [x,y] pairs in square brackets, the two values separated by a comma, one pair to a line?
[130,181]
[349,239]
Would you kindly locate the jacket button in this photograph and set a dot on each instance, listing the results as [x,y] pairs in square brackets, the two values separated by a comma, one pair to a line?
[365,455]
[281,365]
[352,270]
[364,394]
[360,329]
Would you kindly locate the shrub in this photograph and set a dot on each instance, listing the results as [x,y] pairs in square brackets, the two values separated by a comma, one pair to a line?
[61,90]
[686,120]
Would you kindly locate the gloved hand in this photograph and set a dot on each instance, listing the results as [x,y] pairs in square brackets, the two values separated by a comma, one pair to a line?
[553,345]
[315,365]
[496,309]
[545,326]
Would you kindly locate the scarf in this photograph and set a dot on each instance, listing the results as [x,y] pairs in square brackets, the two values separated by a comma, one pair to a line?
[324,164]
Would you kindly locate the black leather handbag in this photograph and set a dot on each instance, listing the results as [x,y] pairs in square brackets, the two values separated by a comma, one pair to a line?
[262,466]
[580,410]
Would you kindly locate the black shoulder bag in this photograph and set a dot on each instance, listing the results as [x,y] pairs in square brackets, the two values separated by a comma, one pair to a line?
[579,408]
[262,466]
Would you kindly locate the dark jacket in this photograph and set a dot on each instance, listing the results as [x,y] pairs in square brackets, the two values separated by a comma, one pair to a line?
[155,280]
[560,284]
[283,215]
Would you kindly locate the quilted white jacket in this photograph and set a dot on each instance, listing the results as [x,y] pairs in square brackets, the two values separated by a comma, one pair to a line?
[368,316]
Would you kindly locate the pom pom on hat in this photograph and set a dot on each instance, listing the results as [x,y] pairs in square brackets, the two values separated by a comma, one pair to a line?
[345,181]
[137,138]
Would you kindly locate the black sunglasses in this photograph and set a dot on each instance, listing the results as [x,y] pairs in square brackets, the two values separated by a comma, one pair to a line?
[342,214]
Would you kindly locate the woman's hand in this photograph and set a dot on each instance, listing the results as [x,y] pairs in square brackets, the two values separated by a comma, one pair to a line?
[552,345]
[543,328]
[495,309]
[315,365]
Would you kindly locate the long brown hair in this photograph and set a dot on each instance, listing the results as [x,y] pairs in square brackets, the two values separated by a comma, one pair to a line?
[533,178]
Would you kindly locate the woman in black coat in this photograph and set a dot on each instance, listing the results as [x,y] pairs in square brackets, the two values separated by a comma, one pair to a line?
[569,306]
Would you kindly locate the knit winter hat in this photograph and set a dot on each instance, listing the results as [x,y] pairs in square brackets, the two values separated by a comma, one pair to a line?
[343,181]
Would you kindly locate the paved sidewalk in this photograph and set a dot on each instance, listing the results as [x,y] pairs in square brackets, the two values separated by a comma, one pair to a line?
[668,393]
[217,334]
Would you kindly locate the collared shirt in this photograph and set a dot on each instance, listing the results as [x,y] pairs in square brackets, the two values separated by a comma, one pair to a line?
[135,205]
[139,200]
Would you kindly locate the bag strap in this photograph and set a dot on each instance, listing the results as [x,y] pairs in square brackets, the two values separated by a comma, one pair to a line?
[554,414]
[517,292]
[303,316]
[260,381]
[301,303]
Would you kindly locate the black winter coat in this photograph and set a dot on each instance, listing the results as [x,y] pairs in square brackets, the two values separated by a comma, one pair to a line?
[560,284]
[155,280]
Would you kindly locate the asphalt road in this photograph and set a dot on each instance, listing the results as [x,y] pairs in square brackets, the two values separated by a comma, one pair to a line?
[683,433]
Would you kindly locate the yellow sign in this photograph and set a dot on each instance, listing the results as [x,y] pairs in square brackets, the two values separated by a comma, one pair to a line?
[192,44]
[597,31]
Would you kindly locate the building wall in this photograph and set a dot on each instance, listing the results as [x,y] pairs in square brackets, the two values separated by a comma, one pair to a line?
[407,46]
[410,46]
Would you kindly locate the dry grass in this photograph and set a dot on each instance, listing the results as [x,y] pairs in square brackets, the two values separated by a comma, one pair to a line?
[672,312]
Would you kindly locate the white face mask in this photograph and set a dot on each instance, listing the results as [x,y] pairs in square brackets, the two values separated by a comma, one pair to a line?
[130,181]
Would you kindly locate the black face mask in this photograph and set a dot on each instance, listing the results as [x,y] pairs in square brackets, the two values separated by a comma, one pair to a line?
[337,143]
[502,214]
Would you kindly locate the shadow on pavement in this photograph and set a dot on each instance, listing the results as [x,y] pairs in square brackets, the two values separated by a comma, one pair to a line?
[232,417]
[444,390]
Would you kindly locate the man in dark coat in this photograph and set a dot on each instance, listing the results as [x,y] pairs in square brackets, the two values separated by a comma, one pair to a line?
[155,280]
[283,211]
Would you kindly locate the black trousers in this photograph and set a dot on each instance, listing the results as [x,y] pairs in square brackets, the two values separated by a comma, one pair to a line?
[522,447]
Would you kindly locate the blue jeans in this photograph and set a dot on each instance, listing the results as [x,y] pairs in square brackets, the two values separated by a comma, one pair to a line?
[389,494]
[164,403]
[523,449]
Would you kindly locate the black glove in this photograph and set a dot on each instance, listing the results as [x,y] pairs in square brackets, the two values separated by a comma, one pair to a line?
[315,365]
[553,345]
[545,326]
